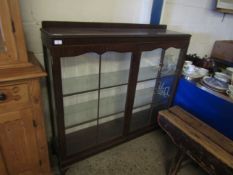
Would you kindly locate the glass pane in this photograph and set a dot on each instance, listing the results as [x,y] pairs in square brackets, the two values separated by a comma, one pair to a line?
[144,93]
[80,73]
[140,117]
[114,68]
[170,61]
[110,127]
[148,72]
[149,64]
[2,45]
[142,104]
[81,137]
[80,108]
[112,106]
[112,100]
[80,116]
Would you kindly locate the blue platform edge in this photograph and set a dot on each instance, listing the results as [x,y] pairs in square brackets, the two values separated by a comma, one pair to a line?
[213,110]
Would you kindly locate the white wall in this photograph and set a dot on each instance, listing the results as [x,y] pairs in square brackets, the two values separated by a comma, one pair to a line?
[35,11]
[200,19]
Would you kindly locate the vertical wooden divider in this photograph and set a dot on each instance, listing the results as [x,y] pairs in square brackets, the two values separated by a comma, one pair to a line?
[133,76]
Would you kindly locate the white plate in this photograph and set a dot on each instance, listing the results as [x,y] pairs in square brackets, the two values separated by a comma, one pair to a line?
[215,83]
[222,77]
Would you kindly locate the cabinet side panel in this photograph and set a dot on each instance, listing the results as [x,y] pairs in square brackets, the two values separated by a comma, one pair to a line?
[40,128]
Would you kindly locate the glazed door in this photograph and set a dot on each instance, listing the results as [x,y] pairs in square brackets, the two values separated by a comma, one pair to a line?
[94,91]
[18,148]
[157,72]
[8,52]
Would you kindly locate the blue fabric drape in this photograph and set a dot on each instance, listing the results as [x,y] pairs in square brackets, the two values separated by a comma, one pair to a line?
[209,108]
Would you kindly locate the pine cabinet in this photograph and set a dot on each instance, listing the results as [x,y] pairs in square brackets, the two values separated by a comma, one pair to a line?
[107,82]
[12,45]
[23,142]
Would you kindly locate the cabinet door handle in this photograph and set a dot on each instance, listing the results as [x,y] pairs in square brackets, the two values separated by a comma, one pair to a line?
[2,97]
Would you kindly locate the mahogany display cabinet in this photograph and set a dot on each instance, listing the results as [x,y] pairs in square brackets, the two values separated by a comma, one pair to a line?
[107,81]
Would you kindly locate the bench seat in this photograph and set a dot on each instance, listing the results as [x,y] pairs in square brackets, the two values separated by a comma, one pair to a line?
[202,143]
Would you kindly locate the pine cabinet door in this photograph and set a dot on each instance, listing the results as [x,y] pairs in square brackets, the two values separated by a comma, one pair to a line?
[19,152]
[8,52]
[12,43]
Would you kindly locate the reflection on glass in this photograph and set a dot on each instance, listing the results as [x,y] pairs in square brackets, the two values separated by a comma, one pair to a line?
[162,95]
[149,64]
[112,100]
[80,73]
[2,45]
[144,93]
[142,104]
[80,117]
[114,68]
[170,61]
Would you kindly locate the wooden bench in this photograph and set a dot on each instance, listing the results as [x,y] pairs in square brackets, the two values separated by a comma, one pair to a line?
[203,144]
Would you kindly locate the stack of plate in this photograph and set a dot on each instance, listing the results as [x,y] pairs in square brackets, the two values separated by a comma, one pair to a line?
[215,84]
[196,73]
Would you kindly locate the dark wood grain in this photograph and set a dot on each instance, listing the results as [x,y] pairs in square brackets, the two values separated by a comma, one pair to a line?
[133,76]
[222,51]
[61,24]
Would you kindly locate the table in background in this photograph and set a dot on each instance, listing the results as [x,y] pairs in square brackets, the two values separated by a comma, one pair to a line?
[213,108]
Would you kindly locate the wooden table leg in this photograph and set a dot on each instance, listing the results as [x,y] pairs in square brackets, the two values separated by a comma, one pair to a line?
[176,163]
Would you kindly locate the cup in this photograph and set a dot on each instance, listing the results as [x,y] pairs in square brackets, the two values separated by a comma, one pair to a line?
[186,65]
[230,91]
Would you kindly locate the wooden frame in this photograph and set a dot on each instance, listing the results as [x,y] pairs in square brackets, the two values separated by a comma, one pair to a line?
[16,54]
[100,38]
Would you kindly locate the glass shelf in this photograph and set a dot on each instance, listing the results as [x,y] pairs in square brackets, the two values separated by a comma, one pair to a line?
[86,83]
[80,113]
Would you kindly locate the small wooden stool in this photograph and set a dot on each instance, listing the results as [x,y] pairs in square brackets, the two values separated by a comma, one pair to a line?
[203,144]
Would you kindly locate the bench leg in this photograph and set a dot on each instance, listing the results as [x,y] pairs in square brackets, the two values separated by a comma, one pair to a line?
[176,163]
